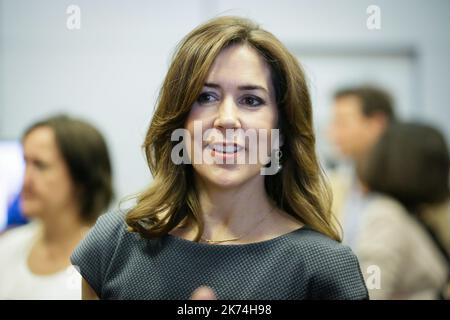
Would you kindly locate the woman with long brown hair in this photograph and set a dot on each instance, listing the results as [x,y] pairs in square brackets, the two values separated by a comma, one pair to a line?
[257,229]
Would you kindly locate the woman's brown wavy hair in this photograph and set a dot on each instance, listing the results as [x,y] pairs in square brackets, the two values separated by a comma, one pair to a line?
[299,188]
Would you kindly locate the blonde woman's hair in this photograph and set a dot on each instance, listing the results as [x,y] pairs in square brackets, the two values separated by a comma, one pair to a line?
[299,188]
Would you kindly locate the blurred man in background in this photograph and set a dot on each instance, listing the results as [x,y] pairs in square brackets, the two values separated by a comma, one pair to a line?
[360,117]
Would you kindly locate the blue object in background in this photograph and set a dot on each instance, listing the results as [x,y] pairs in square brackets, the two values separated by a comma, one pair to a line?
[15,214]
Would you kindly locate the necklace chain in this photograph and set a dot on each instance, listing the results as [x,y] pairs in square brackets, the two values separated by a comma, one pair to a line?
[241,236]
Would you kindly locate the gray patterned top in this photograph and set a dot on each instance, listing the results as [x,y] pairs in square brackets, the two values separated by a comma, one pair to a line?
[302,264]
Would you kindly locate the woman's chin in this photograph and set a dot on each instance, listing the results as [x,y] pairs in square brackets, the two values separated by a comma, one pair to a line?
[225,183]
[31,211]
[226,177]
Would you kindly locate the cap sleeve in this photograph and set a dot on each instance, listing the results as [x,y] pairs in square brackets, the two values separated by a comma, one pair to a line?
[340,277]
[93,256]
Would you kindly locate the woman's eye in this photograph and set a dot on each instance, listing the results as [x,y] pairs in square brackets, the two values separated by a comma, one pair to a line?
[205,98]
[252,101]
[40,165]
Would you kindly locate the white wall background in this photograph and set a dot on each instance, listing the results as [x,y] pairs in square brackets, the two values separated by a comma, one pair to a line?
[110,70]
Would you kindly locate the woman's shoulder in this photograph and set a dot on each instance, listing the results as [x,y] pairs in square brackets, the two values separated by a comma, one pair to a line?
[304,240]
[108,230]
[17,236]
[385,215]
[94,254]
[113,220]
[333,267]
[317,244]
[323,254]
[381,206]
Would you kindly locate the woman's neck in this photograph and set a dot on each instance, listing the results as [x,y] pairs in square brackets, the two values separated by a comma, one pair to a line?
[245,213]
[58,236]
[230,213]
[63,229]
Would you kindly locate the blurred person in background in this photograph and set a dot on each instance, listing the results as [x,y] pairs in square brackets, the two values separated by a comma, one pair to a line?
[405,227]
[360,116]
[67,185]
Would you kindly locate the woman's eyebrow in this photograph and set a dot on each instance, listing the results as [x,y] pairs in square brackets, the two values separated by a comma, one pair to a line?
[241,87]
[211,85]
[252,87]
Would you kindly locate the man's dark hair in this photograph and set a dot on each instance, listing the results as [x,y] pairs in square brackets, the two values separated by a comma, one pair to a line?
[85,152]
[373,100]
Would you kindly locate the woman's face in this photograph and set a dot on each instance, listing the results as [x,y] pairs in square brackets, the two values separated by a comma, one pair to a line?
[237,101]
[48,187]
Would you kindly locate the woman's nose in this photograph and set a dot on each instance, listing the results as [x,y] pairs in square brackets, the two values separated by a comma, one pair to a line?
[228,115]
[27,177]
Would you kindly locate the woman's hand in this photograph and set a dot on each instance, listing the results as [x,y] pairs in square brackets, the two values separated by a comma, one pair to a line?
[203,293]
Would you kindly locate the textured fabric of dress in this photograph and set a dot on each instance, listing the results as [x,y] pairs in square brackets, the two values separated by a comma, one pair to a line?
[302,264]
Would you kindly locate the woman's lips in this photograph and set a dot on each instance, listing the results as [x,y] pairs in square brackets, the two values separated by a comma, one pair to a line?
[225,150]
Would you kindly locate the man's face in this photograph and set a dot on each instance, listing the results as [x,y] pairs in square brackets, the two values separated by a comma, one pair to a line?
[350,130]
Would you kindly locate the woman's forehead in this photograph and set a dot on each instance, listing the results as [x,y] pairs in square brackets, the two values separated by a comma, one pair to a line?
[240,65]
[41,141]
